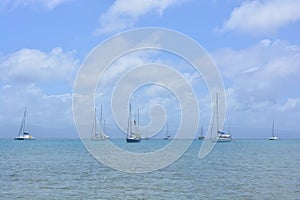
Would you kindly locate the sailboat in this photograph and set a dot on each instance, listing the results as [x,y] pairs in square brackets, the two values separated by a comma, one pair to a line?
[222,136]
[132,130]
[167,137]
[95,134]
[22,134]
[273,137]
[201,137]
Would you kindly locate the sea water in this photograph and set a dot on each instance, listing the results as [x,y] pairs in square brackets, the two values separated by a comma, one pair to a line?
[63,169]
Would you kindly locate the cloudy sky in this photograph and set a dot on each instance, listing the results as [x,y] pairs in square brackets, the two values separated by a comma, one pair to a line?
[255,45]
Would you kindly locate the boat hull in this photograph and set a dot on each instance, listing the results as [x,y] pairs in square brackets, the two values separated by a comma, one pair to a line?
[167,138]
[101,137]
[224,140]
[273,138]
[17,138]
[132,140]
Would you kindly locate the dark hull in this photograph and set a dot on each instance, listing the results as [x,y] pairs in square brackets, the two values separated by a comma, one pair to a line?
[19,138]
[201,137]
[130,140]
[24,139]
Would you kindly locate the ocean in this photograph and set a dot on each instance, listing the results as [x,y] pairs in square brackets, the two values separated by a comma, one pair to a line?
[63,169]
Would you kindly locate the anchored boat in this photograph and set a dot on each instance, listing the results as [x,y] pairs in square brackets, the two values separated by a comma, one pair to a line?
[22,134]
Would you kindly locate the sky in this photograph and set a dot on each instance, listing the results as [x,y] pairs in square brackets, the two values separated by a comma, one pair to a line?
[255,45]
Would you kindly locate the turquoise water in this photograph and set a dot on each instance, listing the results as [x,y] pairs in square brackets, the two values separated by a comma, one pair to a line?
[63,169]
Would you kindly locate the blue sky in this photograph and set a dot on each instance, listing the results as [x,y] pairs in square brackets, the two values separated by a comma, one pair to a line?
[255,45]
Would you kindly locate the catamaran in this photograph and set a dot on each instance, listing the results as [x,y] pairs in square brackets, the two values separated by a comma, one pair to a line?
[95,134]
[132,130]
[22,134]
[222,136]
[273,137]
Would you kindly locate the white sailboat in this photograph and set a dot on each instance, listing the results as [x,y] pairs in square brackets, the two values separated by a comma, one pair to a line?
[22,134]
[273,137]
[95,134]
[167,137]
[221,136]
[133,134]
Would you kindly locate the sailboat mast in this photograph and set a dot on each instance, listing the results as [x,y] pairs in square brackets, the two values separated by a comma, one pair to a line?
[101,120]
[167,132]
[138,118]
[22,127]
[24,120]
[103,126]
[129,122]
[213,122]
[167,128]
[201,132]
[95,123]
[217,110]
[101,115]
[273,129]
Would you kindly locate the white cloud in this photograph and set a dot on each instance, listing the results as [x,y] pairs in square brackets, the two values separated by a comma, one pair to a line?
[251,70]
[124,14]
[122,65]
[272,62]
[263,81]
[44,110]
[32,65]
[48,4]
[290,104]
[260,17]
[40,81]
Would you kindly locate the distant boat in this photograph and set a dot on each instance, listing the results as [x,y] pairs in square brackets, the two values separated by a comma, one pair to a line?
[222,136]
[22,134]
[201,137]
[273,137]
[132,130]
[98,135]
[167,137]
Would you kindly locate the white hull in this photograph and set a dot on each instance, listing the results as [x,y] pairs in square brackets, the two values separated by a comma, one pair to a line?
[223,137]
[273,138]
[221,140]
[224,140]
[101,137]
[25,137]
